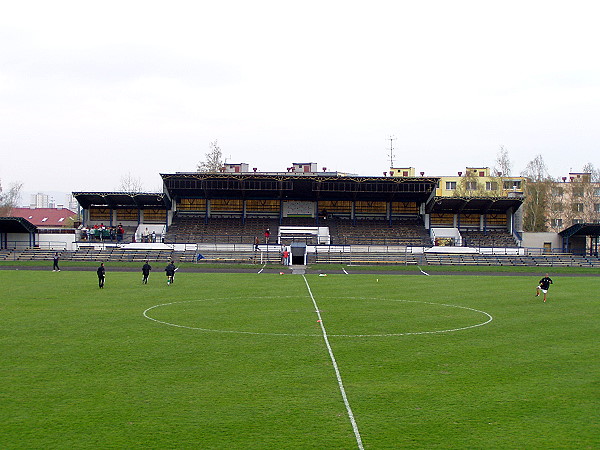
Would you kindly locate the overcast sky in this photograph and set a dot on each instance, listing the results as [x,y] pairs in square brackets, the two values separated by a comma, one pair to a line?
[93,91]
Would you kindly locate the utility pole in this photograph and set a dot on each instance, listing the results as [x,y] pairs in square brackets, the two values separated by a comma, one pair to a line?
[391,154]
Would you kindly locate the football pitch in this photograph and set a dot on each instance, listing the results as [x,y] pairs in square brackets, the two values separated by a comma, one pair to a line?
[264,361]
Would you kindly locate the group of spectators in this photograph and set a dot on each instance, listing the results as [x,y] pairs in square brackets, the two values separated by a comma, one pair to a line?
[103,233]
[148,236]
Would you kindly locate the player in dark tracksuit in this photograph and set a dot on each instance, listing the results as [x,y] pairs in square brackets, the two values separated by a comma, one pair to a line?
[146,268]
[170,271]
[543,286]
[101,275]
[55,267]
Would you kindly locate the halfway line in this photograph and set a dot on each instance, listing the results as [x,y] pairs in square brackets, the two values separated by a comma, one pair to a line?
[335,367]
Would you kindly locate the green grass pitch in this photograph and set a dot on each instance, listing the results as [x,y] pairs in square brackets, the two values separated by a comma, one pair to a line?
[239,361]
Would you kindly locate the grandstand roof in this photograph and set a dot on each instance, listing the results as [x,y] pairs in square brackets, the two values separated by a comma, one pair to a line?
[475,204]
[298,186]
[122,199]
[581,229]
[16,225]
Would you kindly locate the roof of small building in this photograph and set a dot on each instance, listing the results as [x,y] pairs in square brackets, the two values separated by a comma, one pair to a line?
[44,217]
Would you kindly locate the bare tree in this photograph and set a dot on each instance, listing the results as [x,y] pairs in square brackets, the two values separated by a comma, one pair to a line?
[214,159]
[9,199]
[130,183]
[503,164]
[588,193]
[470,185]
[594,173]
[537,195]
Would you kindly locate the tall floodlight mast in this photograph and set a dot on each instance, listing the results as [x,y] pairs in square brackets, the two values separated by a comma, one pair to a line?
[391,154]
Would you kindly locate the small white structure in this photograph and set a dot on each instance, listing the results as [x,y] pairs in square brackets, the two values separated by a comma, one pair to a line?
[321,233]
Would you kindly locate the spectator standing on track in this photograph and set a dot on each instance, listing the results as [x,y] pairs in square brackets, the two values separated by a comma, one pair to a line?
[101,275]
[285,256]
[55,259]
[267,235]
[170,271]
[146,268]
[543,286]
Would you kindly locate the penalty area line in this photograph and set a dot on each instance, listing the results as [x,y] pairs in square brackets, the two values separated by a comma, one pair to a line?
[336,368]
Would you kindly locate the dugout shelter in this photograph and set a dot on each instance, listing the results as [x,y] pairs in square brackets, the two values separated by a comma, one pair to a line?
[17,232]
[574,238]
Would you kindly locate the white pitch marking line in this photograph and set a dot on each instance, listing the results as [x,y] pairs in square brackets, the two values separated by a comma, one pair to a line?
[337,371]
[407,333]
[424,273]
[345,271]
[262,268]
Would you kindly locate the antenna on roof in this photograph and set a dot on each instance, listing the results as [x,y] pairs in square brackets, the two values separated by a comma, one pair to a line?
[391,154]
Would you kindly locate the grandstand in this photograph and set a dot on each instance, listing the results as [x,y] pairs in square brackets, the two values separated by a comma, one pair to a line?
[238,207]
[338,217]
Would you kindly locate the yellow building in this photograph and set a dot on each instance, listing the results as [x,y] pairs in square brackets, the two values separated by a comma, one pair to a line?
[473,182]
[473,200]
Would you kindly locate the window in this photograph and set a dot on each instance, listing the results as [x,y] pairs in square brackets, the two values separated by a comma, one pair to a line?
[512,184]
[471,185]
[491,186]
[557,206]
[577,207]
[597,192]
[576,221]
[578,192]
[450,185]
[557,191]
[596,207]
[556,223]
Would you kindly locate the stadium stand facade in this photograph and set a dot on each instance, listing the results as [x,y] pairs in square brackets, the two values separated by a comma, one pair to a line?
[236,207]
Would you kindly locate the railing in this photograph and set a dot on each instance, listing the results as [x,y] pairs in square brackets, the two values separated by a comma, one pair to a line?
[214,238]
[380,240]
[376,254]
[352,255]
[48,245]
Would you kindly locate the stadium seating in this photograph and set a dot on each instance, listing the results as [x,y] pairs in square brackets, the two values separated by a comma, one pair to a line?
[489,238]
[194,229]
[409,232]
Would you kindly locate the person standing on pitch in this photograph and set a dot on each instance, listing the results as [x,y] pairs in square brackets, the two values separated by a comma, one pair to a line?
[101,275]
[543,286]
[170,271]
[146,268]
[55,267]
